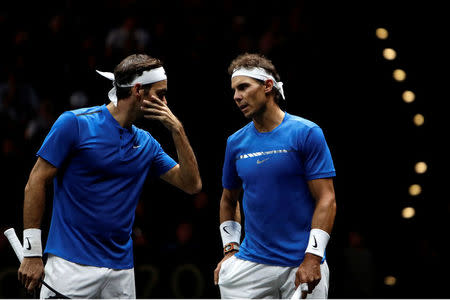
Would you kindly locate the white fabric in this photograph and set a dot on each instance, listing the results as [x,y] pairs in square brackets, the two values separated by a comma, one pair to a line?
[261,74]
[318,240]
[147,77]
[32,245]
[245,279]
[230,232]
[81,281]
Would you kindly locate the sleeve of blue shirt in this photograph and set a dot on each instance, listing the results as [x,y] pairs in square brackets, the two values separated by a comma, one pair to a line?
[317,157]
[230,177]
[162,162]
[61,140]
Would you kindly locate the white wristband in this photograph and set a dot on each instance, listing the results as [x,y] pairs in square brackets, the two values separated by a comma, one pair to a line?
[32,246]
[230,232]
[318,240]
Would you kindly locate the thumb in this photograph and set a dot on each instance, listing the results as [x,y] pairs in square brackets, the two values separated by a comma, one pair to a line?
[216,275]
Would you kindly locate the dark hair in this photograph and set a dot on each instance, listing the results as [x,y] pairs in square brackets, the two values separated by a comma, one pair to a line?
[131,67]
[253,60]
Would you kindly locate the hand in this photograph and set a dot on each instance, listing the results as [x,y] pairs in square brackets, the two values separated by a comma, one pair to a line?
[156,109]
[30,273]
[219,265]
[309,272]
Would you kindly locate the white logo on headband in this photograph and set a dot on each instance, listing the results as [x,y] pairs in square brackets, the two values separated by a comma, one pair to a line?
[261,74]
[147,77]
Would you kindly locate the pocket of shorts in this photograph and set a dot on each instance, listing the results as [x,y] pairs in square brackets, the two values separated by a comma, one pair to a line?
[224,267]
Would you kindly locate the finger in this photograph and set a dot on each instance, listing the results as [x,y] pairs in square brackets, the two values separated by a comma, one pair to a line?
[154,117]
[151,110]
[151,104]
[216,275]
[27,282]
[312,285]
[297,280]
[157,100]
[32,285]
[304,287]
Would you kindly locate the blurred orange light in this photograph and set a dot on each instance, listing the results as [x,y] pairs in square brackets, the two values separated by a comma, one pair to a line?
[408,212]
[390,280]
[420,167]
[408,96]
[419,119]
[382,33]
[399,75]
[415,189]
[389,54]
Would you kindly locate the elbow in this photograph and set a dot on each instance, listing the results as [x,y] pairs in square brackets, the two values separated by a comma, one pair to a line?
[329,204]
[27,188]
[332,205]
[194,188]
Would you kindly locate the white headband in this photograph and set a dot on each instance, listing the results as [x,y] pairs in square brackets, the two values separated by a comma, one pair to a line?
[261,74]
[147,77]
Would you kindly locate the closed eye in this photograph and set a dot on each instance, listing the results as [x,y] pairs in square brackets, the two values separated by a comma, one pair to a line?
[161,94]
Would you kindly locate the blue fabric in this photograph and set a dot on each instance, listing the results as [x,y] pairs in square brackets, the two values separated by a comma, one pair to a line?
[273,169]
[101,171]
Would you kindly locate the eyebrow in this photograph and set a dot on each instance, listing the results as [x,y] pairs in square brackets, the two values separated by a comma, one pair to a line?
[240,85]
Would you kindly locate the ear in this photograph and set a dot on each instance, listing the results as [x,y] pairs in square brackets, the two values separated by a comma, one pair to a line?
[137,91]
[268,86]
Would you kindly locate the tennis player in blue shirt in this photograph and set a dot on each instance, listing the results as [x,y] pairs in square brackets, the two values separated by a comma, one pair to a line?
[283,165]
[98,161]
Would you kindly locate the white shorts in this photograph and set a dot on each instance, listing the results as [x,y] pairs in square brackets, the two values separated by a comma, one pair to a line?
[80,281]
[245,279]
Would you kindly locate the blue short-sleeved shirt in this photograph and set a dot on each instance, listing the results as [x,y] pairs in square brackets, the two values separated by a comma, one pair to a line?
[101,171]
[273,169]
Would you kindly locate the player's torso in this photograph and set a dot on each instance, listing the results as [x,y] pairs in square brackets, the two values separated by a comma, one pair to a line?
[107,149]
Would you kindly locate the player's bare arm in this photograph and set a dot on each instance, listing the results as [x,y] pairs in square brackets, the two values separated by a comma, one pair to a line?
[32,268]
[229,205]
[185,175]
[322,191]
[229,211]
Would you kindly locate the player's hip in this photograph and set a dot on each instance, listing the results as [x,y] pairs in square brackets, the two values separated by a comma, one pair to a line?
[239,278]
[83,281]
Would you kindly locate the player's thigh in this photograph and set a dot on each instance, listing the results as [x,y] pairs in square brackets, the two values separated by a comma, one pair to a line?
[319,292]
[245,279]
[71,279]
[120,284]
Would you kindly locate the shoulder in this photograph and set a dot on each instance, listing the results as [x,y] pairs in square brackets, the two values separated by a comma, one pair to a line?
[240,134]
[299,122]
[143,135]
[86,112]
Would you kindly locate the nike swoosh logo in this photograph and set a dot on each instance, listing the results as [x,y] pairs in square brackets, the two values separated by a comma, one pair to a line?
[29,245]
[137,146]
[315,242]
[261,161]
[224,229]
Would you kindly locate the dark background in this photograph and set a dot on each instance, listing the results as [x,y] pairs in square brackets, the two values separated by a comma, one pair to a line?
[334,74]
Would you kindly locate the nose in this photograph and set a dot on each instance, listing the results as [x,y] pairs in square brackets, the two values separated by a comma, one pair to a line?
[237,96]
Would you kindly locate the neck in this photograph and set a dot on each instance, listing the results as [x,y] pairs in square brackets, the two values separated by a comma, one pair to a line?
[122,113]
[269,119]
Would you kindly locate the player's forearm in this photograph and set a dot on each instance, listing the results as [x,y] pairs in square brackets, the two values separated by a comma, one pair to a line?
[34,204]
[189,173]
[229,210]
[324,214]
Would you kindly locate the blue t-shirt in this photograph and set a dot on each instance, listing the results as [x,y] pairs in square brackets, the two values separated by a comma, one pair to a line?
[273,169]
[101,171]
